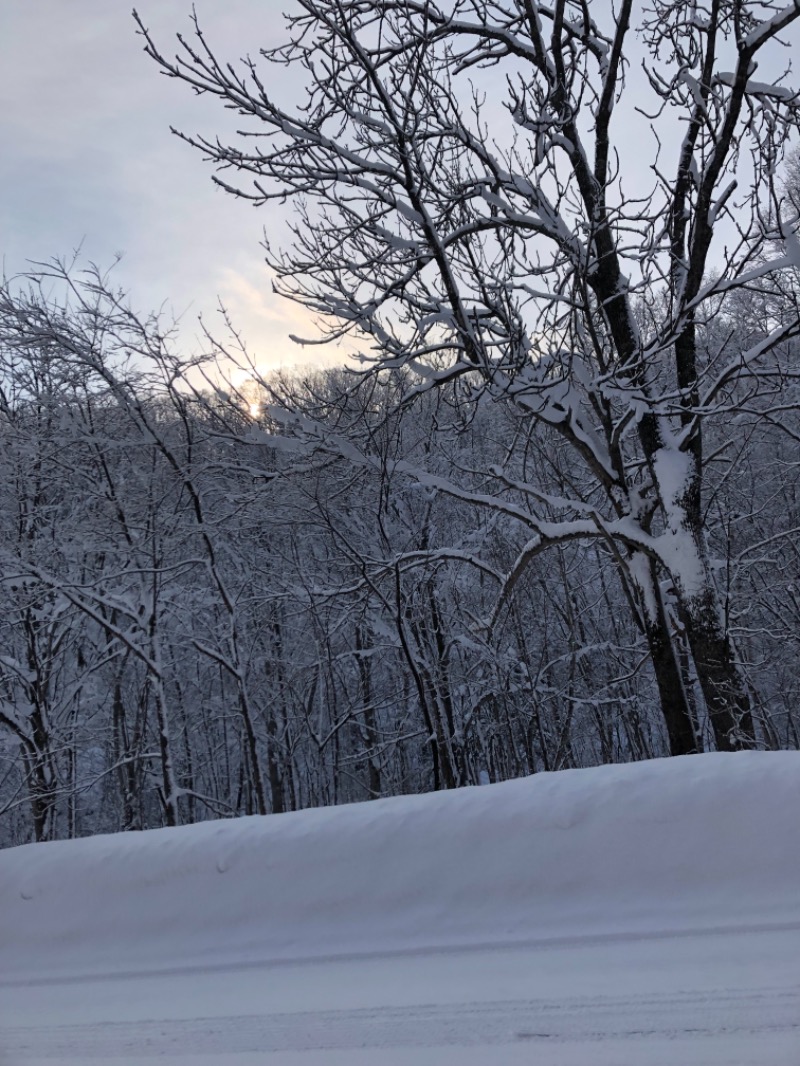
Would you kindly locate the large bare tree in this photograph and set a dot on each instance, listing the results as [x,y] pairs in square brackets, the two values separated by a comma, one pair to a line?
[469,204]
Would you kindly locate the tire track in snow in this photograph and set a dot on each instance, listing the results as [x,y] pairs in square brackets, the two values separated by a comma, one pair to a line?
[517,946]
[533,1022]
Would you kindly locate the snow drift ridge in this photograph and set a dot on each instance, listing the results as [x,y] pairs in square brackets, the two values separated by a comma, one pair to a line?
[695,842]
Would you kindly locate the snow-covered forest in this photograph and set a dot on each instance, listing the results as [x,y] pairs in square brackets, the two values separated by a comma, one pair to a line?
[550,521]
[197,624]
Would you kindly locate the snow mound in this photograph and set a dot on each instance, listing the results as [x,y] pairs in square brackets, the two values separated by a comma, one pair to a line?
[700,842]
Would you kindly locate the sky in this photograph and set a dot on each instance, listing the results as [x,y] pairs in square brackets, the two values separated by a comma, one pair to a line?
[87,161]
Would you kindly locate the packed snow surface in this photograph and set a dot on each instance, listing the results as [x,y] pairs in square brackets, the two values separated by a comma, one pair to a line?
[642,914]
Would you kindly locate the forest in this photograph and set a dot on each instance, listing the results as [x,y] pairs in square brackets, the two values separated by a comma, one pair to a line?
[196,624]
[550,520]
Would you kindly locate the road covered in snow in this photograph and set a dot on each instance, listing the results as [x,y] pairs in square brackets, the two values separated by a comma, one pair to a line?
[645,915]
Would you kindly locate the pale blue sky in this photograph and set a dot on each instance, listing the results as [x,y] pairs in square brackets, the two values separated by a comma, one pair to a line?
[87,159]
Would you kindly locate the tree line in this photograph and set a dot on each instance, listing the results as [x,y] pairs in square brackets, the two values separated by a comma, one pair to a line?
[219,602]
[551,519]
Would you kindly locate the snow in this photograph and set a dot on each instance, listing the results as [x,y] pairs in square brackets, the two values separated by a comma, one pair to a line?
[756,88]
[673,470]
[764,30]
[642,914]
[791,242]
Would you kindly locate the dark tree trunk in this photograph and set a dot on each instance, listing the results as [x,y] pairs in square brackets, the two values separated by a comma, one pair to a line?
[671,689]
[670,681]
[724,690]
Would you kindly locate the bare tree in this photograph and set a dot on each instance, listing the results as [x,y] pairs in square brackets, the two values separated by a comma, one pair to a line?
[505,244]
[196,621]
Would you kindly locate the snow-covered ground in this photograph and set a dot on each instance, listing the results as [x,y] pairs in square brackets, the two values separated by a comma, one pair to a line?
[645,914]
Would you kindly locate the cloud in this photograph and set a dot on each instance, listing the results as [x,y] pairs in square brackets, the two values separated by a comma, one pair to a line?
[88,159]
[267,320]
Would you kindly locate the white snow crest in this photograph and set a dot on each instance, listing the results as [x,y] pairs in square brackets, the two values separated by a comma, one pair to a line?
[671,844]
[676,546]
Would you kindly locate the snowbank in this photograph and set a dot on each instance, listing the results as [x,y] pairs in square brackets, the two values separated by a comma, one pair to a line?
[699,842]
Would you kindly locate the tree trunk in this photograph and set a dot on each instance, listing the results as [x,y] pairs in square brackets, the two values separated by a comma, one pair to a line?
[671,689]
[671,684]
[724,689]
